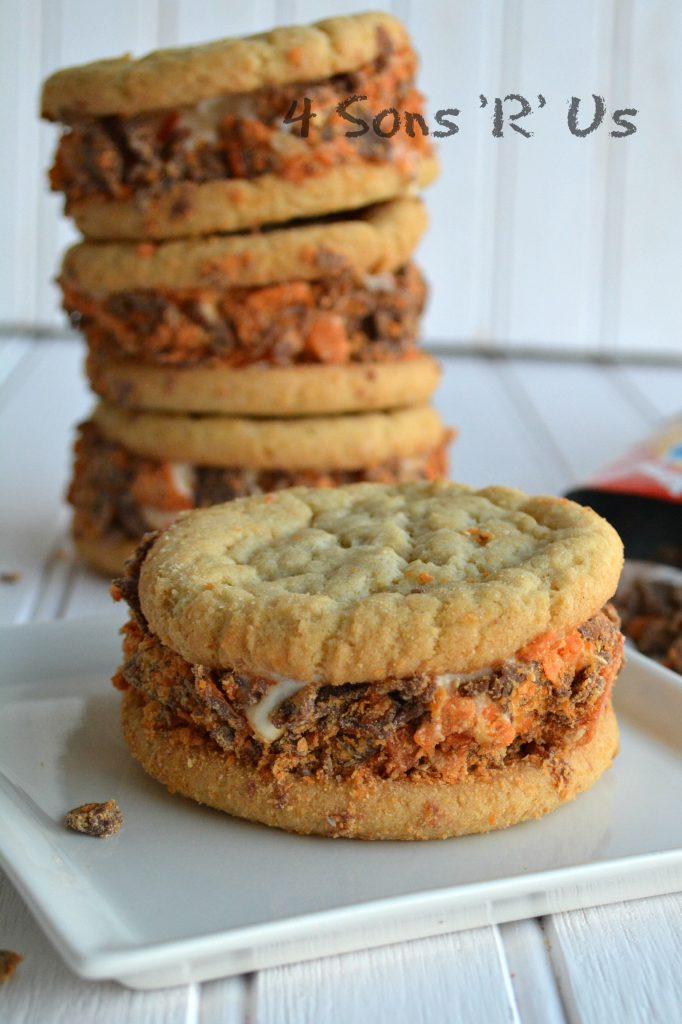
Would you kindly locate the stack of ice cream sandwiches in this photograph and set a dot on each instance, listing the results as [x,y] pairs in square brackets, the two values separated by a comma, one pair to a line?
[245,285]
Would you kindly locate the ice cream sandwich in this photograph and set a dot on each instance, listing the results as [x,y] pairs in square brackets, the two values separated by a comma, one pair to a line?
[408,661]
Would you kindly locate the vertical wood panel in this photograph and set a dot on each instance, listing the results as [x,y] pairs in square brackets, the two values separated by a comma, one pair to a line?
[460,47]
[313,10]
[551,260]
[581,410]
[533,983]
[629,979]
[618,159]
[211,19]
[417,982]
[649,313]
[499,440]
[659,389]
[40,404]
[21,32]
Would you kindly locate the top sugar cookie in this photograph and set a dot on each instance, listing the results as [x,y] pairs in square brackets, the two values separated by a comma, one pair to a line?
[241,132]
[369,581]
[186,75]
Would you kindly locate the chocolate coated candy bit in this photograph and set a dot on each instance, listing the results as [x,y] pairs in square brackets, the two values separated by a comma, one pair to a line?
[9,962]
[99,820]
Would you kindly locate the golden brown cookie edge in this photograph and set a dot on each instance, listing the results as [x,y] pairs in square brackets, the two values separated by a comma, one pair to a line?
[193,766]
[189,209]
[310,637]
[309,389]
[181,76]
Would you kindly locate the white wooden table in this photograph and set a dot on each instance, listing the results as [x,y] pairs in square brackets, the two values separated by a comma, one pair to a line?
[540,426]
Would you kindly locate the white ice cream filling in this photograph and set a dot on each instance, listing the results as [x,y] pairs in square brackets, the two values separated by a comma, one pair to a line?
[259,715]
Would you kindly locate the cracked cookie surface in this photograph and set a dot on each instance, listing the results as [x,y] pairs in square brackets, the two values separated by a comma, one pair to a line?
[367,580]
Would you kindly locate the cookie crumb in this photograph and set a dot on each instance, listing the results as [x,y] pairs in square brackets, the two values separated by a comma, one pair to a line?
[483,537]
[99,820]
[9,961]
[10,577]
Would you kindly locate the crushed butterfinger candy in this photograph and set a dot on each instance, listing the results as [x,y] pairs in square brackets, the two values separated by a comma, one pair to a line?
[94,819]
[9,961]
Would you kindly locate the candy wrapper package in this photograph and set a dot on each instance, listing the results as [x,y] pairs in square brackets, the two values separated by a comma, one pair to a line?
[641,495]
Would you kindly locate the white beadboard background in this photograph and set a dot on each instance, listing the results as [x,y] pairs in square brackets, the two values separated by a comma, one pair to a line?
[554,243]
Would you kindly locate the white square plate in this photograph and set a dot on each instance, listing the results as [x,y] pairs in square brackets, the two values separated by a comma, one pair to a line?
[184,893]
